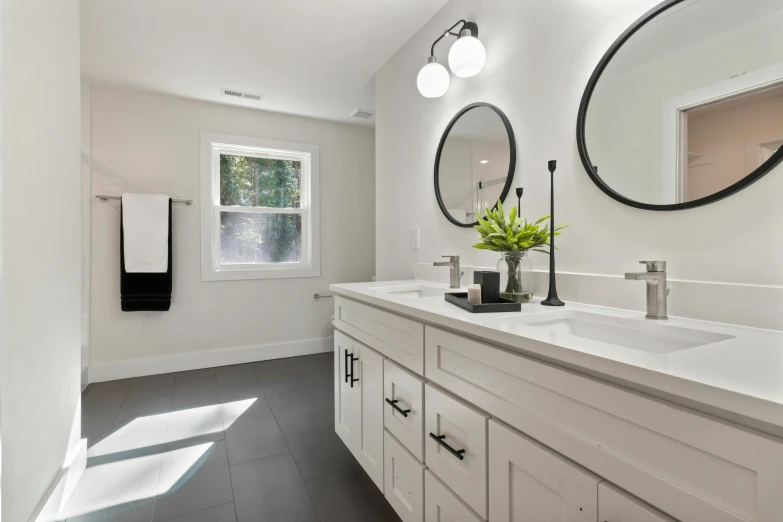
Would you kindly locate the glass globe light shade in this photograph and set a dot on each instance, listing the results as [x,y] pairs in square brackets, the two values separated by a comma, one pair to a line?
[467,57]
[433,80]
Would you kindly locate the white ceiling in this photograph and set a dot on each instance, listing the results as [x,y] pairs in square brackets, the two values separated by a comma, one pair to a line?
[309,57]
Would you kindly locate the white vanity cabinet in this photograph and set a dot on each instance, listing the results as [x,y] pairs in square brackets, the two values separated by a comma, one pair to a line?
[358,399]
[529,483]
[539,442]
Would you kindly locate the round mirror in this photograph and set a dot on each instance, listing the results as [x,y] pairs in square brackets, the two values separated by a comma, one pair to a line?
[475,163]
[686,107]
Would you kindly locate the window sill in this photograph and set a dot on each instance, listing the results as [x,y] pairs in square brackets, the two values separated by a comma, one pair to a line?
[212,274]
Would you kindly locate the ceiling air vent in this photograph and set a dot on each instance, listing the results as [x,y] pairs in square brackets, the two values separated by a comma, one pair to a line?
[240,94]
[363,114]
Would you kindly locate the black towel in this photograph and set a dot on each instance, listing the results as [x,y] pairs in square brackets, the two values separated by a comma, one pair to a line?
[144,292]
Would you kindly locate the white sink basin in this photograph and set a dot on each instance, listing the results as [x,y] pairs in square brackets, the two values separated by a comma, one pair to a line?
[412,291]
[644,335]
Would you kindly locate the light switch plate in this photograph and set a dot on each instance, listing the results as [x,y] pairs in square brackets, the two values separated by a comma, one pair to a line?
[415,237]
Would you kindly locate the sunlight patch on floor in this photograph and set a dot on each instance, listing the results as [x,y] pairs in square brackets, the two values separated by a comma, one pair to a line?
[166,428]
[126,481]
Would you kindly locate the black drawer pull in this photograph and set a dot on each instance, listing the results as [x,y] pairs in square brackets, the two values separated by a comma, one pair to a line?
[402,412]
[460,454]
[353,379]
[347,373]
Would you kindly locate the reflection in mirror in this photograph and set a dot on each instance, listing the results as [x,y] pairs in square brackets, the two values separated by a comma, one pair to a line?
[690,108]
[474,163]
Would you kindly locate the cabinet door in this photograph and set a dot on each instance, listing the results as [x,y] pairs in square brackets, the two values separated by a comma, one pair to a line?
[404,482]
[347,396]
[616,506]
[369,371]
[442,505]
[529,483]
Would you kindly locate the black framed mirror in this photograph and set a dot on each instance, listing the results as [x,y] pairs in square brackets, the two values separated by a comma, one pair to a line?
[475,163]
[686,107]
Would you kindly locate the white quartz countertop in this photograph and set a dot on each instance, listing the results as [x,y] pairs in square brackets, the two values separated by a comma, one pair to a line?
[740,375]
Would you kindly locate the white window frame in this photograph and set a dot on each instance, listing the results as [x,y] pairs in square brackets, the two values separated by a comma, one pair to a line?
[674,135]
[212,146]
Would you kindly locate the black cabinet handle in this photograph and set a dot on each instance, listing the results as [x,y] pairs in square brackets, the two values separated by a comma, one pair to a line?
[402,412]
[353,360]
[347,373]
[460,454]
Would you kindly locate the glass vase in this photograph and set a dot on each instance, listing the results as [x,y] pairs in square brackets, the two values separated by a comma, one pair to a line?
[516,276]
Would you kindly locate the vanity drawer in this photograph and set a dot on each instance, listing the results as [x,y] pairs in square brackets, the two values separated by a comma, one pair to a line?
[404,480]
[392,335]
[684,463]
[441,504]
[463,429]
[403,407]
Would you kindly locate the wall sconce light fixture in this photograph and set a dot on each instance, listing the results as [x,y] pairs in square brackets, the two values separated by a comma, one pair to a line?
[466,58]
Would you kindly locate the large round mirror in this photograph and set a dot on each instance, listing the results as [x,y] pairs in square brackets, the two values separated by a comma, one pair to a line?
[475,163]
[686,107]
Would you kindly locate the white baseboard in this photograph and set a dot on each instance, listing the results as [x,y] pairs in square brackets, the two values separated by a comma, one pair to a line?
[63,486]
[758,306]
[111,371]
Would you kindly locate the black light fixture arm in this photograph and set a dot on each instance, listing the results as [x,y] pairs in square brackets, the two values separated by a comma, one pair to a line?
[470,26]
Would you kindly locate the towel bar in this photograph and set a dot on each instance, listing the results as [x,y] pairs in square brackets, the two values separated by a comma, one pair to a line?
[188,202]
[322,296]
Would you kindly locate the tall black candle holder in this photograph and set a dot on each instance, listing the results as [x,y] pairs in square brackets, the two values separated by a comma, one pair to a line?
[552,299]
[520,190]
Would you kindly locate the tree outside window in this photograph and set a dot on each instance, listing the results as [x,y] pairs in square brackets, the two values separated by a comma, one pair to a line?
[252,238]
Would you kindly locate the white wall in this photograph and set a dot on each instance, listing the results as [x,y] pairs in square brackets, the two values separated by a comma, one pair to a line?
[144,142]
[41,247]
[540,56]
[86,193]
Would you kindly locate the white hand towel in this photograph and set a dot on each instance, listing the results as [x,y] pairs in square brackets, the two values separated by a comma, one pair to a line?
[145,224]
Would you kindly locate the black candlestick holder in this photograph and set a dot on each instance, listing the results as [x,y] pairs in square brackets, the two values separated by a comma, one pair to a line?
[552,299]
[520,191]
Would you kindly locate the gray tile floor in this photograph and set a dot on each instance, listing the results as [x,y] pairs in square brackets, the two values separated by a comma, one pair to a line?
[248,443]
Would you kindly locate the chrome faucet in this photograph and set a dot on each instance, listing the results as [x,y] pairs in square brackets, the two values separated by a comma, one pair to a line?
[455,274]
[657,291]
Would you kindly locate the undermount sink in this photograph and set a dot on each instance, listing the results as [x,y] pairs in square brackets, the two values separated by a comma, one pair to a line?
[647,336]
[412,291]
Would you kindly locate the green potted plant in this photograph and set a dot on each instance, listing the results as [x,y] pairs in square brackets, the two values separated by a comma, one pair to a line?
[514,237]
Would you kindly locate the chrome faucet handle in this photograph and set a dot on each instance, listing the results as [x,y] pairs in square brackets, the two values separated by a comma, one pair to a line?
[452,258]
[654,266]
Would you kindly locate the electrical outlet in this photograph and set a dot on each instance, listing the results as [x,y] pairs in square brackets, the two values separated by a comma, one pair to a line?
[415,237]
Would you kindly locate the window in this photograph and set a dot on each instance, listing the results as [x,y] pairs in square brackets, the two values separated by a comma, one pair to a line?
[259,209]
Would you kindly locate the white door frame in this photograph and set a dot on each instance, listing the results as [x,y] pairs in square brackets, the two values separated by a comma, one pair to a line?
[674,163]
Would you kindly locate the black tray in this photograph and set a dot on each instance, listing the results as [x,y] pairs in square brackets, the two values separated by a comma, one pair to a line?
[504,305]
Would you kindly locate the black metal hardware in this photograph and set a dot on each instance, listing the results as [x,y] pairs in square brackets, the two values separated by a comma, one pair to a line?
[353,379]
[347,374]
[450,32]
[460,454]
[402,412]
